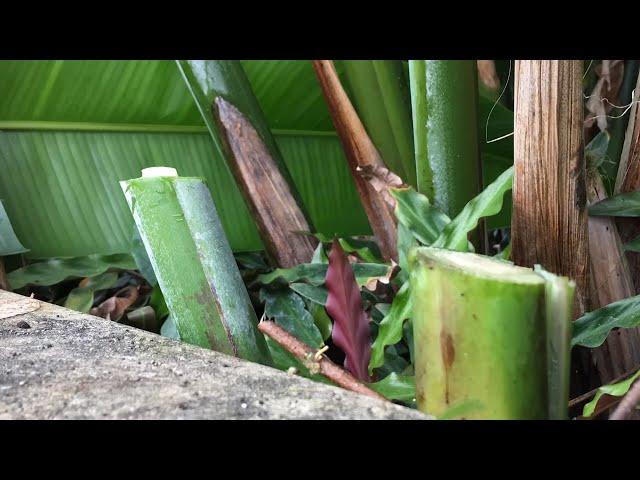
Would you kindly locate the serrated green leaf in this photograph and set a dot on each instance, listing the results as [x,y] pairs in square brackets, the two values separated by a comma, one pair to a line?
[615,390]
[396,387]
[592,328]
[620,205]
[390,331]
[487,203]
[56,270]
[9,243]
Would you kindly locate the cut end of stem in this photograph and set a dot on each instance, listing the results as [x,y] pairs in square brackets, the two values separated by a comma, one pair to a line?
[477,265]
[159,172]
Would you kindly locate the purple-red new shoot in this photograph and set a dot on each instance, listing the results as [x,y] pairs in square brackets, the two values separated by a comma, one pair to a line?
[351,323]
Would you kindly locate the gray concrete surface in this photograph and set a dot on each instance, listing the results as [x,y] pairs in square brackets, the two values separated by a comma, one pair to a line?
[60,364]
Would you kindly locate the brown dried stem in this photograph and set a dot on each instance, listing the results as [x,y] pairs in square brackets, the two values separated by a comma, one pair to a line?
[361,154]
[315,361]
[269,197]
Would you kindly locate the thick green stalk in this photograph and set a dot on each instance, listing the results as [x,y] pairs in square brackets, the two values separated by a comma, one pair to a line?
[479,333]
[194,265]
[380,93]
[444,96]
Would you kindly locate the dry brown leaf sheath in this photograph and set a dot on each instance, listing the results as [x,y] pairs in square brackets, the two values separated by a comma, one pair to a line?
[360,153]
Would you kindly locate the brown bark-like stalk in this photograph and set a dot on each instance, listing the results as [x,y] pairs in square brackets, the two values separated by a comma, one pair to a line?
[268,195]
[360,152]
[628,181]
[4,282]
[610,281]
[488,75]
[628,404]
[549,224]
[307,354]
[549,219]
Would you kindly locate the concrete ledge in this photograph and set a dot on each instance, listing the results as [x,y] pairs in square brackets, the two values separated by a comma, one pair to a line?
[60,364]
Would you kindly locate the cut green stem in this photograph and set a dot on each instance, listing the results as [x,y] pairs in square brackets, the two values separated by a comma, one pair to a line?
[194,265]
[479,332]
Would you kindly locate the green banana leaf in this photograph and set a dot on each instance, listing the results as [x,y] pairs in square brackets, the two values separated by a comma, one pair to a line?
[9,243]
[71,130]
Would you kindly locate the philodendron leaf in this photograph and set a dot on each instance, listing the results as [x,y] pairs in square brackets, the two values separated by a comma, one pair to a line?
[633,245]
[615,390]
[414,211]
[9,243]
[288,311]
[350,322]
[592,328]
[396,387]
[315,273]
[56,270]
[621,205]
[390,331]
[485,204]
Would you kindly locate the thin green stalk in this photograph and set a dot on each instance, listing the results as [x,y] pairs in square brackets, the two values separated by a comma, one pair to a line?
[380,93]
[444,96]
[194,265]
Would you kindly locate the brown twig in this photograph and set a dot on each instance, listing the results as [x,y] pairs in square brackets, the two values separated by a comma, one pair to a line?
[361,154]
[315,361]
[628,403]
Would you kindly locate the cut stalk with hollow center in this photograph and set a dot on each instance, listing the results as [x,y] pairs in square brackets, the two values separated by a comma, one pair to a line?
[480,335]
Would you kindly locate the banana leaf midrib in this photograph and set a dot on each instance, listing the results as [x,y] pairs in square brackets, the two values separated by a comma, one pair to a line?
[130,127]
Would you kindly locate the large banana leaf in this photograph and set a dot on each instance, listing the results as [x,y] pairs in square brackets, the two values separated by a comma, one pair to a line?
[71,130]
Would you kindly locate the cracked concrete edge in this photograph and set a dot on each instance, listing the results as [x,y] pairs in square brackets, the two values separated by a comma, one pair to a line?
[59,364]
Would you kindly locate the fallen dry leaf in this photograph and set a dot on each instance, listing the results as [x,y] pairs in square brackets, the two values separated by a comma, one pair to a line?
[113,308]
[605,93]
